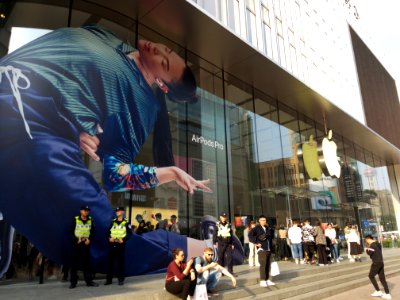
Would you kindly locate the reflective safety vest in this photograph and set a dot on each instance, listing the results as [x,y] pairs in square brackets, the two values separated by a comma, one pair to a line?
[224,230]
[82,230]
[118,231]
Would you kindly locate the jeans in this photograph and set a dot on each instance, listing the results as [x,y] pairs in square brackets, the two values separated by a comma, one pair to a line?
[297,250]
[210,279]
[334,251]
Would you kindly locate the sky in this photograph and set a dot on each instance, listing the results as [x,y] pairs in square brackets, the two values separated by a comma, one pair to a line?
[379,27]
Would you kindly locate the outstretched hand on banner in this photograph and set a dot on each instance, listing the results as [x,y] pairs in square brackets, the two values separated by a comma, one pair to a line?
[90,143]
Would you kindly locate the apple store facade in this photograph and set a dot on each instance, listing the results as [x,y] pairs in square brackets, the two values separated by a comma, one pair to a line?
[250,132]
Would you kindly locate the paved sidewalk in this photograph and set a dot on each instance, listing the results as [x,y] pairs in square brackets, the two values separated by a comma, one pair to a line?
[364,292]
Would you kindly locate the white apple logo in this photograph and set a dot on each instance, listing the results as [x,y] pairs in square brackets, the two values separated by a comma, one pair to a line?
[329,149]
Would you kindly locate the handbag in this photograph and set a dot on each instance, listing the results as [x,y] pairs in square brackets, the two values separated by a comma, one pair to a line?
[200,293]
[274,269]
[262,237]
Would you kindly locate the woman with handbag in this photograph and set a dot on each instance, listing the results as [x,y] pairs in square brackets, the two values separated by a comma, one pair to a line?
[181,277]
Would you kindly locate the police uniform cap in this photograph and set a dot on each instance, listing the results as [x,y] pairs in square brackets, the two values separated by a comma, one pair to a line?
[85,207]
[120,208]
[223,214]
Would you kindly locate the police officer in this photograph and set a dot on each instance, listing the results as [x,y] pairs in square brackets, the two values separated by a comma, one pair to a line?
[120,232]
[223,239]
[82,231]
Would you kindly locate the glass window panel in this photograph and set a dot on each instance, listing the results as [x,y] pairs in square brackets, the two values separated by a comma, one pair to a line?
[205,154]
[242,149]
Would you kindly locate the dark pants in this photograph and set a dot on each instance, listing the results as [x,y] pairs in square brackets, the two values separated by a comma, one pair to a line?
[225,255]
[117,254]
[181,288]
[309,251]
[81,257]
[264,257]
[378,268]
[322,258]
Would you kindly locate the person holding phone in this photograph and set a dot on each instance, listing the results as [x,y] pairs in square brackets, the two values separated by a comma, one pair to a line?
[181,277]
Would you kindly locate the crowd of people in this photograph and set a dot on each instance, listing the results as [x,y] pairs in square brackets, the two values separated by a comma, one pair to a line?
[301,242]
[306,244]
[170,224]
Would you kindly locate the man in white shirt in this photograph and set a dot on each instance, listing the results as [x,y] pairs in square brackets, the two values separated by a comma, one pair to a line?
[295,236]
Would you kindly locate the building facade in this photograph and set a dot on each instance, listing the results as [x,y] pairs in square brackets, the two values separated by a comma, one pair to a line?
[270,74]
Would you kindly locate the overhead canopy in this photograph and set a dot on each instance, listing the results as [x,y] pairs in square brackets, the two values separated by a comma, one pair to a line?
[193,29]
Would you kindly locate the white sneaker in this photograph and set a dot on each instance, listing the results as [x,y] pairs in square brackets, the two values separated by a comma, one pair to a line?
[377,294]
[269,282]
[296,260]
[352,260]
[263,283]
[302,262]
[386,296]
[338,260]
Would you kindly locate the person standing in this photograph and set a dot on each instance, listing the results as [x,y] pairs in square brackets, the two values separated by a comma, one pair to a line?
[141,228]
[347,230]
[308,240]
[294,234]
[320,239]
[82,230]
[120,232]
[339,245]
[246,240]
[330,232]
[262,236]
[353,238]
[224,242]
[374,250]
[174,225]
[253,256]
[283,252]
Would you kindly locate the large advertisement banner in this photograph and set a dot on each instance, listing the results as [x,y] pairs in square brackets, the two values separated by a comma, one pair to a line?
[76,89]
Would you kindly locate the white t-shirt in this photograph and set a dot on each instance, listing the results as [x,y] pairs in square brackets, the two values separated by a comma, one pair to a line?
[330,233]
[353,236]
[294,235]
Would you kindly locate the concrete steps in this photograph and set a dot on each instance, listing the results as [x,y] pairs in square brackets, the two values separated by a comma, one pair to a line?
[295,282]
[314,283]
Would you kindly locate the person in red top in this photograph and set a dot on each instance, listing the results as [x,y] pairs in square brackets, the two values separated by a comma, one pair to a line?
[181,278]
